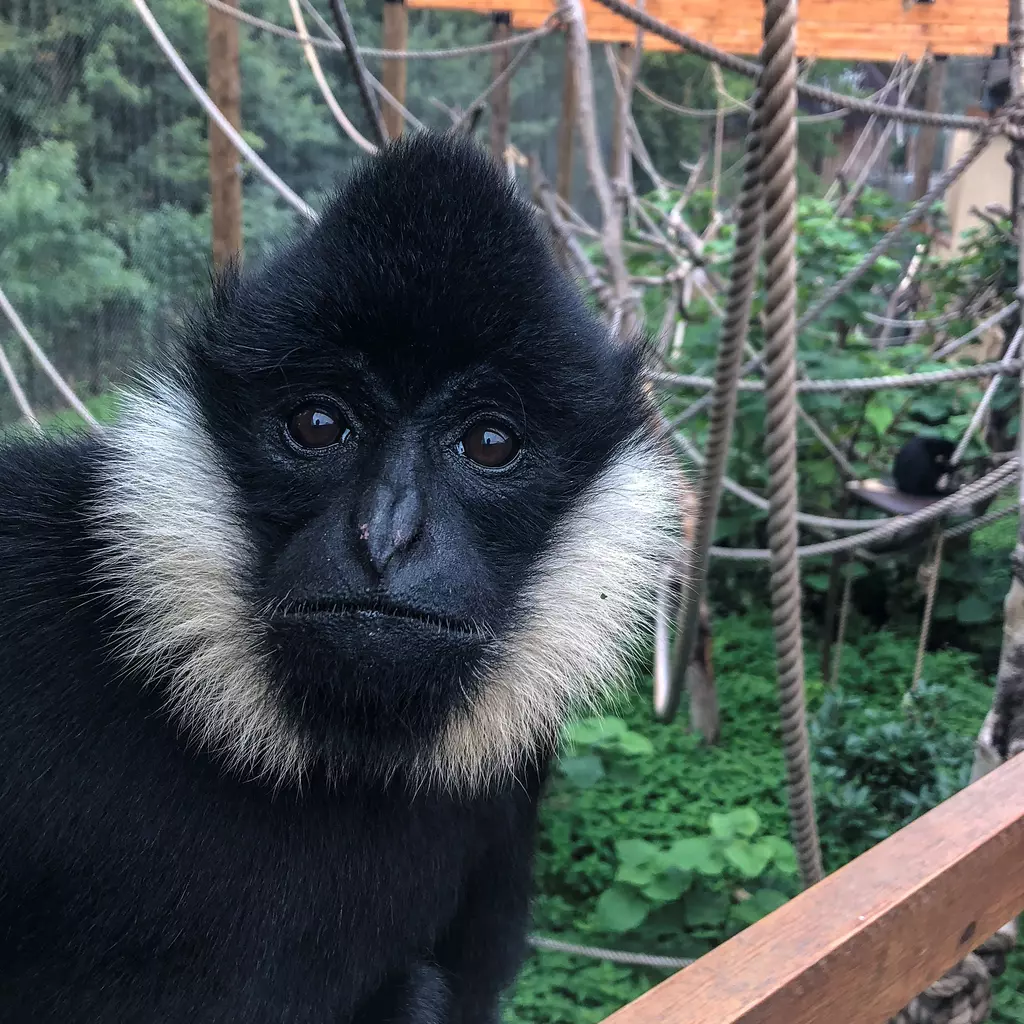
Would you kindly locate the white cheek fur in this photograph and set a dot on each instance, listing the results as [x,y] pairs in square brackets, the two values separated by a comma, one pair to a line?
[174,552]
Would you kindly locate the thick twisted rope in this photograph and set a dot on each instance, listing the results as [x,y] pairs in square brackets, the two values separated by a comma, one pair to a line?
[925,378]
[723,412]
[778,172]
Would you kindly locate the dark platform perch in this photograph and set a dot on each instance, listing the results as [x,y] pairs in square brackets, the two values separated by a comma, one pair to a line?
[883,495]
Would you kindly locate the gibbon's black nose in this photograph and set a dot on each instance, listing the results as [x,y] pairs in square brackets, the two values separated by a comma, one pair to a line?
[395,522]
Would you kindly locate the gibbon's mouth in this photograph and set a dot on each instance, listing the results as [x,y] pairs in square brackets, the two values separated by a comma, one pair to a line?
[376,610]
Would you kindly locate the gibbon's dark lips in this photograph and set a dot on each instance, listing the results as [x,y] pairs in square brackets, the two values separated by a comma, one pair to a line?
[375,609]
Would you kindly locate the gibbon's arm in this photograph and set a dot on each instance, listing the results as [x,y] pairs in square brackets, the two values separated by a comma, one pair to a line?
[484,947]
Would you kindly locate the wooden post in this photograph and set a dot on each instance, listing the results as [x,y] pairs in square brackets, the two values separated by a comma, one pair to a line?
[566,130]
[928,135]
[393,72]
[501,98]
[619,126]
[225,86]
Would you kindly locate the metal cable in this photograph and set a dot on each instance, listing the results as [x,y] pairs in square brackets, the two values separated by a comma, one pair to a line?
[925,378]
[370,51]
[995,516]
[615,956]
[743,275]
[816,92]
[47,367]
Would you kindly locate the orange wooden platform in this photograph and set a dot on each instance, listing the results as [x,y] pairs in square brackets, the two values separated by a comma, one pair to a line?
[838,29]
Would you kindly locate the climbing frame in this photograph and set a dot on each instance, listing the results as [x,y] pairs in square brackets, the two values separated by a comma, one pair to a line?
[837,29]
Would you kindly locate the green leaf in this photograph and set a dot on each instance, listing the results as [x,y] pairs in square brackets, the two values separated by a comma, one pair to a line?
[704,908]
[817,581]
[697,853]
[974,610]
[620,909]
[638,875]
[745,821]
[749,859]
[761,904]
[668,886]
[634,744]
[588,731]
[636,851]
[722,826]
[582,772]
[879,416]
[782,853]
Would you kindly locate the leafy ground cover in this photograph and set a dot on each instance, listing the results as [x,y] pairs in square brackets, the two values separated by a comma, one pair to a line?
[634,853]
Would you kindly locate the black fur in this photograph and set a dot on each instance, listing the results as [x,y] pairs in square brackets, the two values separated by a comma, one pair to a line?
[920,464]
[142,880]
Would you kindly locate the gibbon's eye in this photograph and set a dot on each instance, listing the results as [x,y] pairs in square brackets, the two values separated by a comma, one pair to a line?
[317,425]
[488,445]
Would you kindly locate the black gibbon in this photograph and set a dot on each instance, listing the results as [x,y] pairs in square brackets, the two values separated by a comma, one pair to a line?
[284,653]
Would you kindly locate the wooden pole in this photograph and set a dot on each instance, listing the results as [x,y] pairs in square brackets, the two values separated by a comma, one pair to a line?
[928,135]
[224,83]
[393,72]
[624,59]
[501,98]
[566,130]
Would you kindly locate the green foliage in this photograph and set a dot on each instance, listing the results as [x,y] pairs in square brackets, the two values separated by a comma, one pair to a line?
[657,842]
[878,768]
[594,743]
[676,877]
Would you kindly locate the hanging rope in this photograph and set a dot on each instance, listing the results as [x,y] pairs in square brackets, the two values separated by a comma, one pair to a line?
[743,274]
[844,615]
[778,172]
[931,574]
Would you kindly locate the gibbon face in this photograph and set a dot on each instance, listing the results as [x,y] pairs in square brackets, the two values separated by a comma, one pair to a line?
[397,506]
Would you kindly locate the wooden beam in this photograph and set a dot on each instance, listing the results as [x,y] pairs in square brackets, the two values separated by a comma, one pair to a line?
[858,946]
[566,131]
[624,56]
[224,84]
[870,30]
[501,98]
[928,135]
[393,72]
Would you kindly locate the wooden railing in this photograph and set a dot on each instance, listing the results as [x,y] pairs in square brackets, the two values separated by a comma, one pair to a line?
[857,947]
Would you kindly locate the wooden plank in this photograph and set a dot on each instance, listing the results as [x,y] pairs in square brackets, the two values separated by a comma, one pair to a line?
[857,947]
[224,83]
